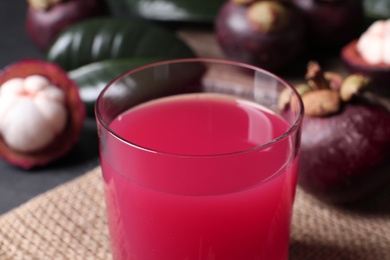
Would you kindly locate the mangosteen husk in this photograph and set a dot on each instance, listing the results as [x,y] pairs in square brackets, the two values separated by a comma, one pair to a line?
[74,105]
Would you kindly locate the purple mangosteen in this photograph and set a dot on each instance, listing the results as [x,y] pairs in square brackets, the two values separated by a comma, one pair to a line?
[345,145]
[269,34]
[47,18]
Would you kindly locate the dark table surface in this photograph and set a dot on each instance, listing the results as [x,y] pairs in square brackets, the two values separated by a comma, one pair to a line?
[16,185]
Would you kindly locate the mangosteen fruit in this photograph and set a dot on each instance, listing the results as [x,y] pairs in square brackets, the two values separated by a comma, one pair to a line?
[370,55]
[331,23]
[41,113]
[345,145]
[268,34]
[47,18]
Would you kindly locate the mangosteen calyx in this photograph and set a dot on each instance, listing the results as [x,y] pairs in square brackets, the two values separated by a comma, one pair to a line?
[43,4]
[267,16]
[243,2]
[321,98]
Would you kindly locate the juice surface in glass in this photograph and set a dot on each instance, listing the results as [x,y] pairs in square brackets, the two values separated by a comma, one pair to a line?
[188,180]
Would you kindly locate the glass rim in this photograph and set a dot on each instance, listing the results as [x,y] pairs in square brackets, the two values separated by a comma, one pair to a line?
[291,130]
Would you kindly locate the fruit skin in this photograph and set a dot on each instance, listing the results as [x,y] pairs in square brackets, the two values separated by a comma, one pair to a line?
[379,74]
[344,156]
[43,26]
[270,50]
[75,107]
[331,23]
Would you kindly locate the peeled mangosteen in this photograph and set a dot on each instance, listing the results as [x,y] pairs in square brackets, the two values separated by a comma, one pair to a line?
[331,23]
[370,55]
[47,18]
[269,34]
[41,113]
[345,145]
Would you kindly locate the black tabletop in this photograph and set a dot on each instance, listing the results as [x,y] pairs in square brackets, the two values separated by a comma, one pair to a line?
[16,185]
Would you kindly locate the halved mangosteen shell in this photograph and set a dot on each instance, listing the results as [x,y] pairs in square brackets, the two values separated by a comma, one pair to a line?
[379,73]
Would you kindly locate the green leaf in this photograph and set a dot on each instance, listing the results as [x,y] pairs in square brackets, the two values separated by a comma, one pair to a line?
[199,11]
[377,9]
[101,39]
[92,78]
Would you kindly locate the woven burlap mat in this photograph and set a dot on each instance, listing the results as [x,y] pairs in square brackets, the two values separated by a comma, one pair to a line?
[69,222]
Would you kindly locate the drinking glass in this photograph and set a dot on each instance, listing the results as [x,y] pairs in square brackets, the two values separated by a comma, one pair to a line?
[187,199]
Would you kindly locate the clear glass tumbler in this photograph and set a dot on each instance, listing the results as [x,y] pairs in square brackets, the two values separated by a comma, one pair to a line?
[199,159]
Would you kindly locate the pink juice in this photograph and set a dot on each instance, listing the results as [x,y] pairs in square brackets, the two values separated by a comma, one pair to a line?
[192,183]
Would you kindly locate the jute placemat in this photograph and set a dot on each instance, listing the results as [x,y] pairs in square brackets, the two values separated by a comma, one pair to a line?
[69,222]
